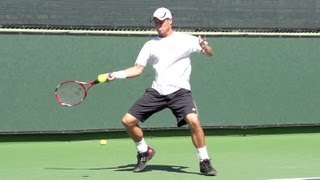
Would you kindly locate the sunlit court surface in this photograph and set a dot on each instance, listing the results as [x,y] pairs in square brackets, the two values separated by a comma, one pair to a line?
[236,157]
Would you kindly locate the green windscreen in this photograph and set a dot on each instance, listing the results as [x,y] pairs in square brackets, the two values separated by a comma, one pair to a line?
[248,81]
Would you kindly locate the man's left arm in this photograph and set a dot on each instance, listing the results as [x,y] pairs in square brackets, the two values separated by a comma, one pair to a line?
[205,47]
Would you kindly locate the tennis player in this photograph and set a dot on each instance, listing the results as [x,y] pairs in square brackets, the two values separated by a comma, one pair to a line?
[169,54]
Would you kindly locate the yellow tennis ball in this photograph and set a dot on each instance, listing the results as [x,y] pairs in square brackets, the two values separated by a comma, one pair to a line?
[102,78]
[103,142]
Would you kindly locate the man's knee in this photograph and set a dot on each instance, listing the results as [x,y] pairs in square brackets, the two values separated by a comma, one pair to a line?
[129,120]
[193,121]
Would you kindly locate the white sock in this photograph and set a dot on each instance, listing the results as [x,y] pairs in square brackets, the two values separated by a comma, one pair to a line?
[141,146]
[202,153]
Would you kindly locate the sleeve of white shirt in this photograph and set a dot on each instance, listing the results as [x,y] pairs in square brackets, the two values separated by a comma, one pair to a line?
[144,55]
[194,43]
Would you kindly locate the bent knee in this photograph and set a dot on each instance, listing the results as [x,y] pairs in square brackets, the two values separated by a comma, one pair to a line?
[193,121]
[194,124]
[129,120]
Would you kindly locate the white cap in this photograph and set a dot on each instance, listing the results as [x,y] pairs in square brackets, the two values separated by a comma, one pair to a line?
[162,14]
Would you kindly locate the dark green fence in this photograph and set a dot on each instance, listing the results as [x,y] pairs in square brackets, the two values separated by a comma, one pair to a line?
[207,14]
[249,81]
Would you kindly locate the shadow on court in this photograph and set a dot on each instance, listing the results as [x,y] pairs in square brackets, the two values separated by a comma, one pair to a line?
[167,168]
[129,167]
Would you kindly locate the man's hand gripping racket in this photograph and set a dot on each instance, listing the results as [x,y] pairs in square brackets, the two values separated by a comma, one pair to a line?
[72,92]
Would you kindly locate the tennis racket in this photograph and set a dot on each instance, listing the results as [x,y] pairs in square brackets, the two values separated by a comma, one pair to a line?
[71,93]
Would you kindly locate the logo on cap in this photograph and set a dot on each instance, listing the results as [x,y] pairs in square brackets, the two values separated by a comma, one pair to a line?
[162,13]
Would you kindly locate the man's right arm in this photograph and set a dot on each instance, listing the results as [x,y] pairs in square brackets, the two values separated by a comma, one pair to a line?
[130,72]
[133,71]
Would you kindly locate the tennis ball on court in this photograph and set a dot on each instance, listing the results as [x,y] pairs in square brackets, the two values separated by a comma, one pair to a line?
[103,142]
[102,78]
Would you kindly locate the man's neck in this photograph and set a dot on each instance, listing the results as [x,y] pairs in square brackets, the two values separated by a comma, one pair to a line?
[169,33]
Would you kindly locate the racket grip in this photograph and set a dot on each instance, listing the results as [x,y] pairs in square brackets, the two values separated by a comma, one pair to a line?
[103,78]
[96,81]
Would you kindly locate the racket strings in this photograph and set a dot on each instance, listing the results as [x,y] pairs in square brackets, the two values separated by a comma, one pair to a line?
[70,93]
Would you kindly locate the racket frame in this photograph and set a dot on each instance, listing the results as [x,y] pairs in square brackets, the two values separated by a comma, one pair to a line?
[81,84]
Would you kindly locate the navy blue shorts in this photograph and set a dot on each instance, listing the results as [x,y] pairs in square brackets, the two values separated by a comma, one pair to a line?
[180,103]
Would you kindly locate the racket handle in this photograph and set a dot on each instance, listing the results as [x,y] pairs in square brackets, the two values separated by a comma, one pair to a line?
[102,78]
[96,82]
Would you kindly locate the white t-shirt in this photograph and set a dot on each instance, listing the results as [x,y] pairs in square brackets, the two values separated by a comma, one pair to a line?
[170,58]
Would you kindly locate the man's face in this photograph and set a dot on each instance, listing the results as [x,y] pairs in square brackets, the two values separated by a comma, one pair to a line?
[163,27]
